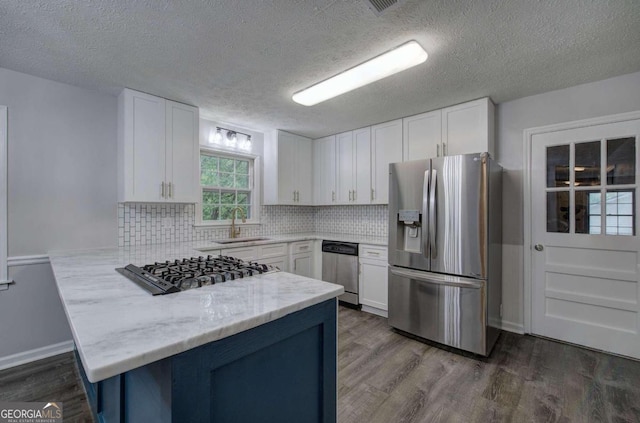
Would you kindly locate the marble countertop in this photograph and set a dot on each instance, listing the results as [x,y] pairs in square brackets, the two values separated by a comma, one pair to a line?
[305,236]
[117,326]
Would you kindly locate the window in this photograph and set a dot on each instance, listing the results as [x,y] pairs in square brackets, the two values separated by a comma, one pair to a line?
[227,183]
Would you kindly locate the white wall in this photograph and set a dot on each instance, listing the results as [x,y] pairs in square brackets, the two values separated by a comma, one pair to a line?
[606,97]
[62,195]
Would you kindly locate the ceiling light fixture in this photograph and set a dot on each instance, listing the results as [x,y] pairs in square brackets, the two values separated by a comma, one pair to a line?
[400,58]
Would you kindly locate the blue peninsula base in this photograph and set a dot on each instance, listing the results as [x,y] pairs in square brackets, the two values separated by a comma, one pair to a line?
[282,371]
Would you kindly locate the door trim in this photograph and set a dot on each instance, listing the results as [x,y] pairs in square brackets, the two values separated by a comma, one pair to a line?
[4,236]
[527,221]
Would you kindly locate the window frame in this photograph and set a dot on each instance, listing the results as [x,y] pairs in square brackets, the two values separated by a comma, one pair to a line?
[254,184]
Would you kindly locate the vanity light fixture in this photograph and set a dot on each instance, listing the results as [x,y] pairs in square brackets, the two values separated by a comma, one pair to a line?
[400,58]
[231,139]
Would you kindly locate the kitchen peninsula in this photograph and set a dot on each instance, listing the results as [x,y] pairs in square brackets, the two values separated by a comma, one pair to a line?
[261,348]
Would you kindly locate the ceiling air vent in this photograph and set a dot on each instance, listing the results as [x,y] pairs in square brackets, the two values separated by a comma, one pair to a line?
[381,6]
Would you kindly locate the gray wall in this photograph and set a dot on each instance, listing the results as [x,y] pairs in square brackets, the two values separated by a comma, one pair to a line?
[606,97]
[62,195]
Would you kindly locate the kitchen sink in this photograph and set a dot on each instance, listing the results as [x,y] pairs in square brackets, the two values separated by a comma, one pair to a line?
[236,240]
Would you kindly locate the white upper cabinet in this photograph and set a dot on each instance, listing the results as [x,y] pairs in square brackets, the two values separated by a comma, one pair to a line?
[324,171]
[468,128]
[422,137]
[288,169]
[157,149]
[354,166]
[386,148]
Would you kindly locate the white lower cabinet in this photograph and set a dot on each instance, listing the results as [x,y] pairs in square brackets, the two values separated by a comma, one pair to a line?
[372,282]
[281,263]
[273,254]
[302,258]
[243,253]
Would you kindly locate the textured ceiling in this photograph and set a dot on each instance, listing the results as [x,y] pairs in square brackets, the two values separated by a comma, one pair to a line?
[241,60]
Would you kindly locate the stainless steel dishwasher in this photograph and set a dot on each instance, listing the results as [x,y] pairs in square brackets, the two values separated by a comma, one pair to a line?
[340,266]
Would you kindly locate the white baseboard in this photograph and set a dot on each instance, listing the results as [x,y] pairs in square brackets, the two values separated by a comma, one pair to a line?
[35,354]
[27,260]
[512,327]
[374,310]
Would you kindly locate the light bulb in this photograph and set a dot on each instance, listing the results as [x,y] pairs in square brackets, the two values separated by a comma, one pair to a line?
[217,138]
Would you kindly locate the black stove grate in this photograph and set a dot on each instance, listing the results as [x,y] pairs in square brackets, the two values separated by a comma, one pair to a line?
[179,275]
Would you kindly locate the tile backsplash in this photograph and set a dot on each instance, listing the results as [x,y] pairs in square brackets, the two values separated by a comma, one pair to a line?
[142,223]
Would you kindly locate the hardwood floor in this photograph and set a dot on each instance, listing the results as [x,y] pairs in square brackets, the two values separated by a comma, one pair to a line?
[53,379]
[385,377]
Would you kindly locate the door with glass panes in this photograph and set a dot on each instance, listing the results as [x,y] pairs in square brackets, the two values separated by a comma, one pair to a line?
[584,236]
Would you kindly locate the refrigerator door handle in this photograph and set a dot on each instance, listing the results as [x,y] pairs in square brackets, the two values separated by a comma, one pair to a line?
[436,279]
[432,214]
[425,213]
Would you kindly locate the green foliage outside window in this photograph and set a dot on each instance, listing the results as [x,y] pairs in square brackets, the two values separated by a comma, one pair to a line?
[226,184]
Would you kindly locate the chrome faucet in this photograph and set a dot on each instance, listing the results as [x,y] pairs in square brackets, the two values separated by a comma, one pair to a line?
[233,232]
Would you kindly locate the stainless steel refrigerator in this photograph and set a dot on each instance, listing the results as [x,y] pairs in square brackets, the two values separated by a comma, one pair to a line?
[445,241]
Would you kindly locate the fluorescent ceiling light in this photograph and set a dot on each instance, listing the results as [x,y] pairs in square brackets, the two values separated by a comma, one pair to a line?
[400,58]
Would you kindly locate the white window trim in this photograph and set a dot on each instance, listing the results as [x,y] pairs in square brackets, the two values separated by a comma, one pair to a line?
[257,184]
[4,239]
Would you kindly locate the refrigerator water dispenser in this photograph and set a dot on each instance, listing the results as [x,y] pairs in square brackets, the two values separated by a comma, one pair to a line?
[412,233]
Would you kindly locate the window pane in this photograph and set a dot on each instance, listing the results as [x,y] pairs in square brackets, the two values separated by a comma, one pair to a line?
[226,165]
[228,198]
[243,198]
[588,212]
[558,166]
[558,211]
[208,178]
[225,212]
[226,180]
[587,169]
[210,197]
[620,212]
[209,163]
[621,161]
[210,212]
[242,166]
[242,181]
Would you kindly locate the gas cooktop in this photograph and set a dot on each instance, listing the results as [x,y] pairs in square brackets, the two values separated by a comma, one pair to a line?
[179,275]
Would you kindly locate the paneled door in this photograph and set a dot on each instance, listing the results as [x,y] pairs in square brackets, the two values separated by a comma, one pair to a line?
[584,233]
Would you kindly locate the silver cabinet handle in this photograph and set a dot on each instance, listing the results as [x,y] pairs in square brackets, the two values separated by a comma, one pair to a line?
[350,195]
[333,196]
[170,190]
[539,247]
[444,149]
[294,196]
[354,195]
[437,150]
[373,194]
[435,278]
[162,189]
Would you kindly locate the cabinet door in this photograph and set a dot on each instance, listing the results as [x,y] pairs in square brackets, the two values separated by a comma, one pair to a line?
[143,146]
[422,136]
[301,264]
[182,153]
[362,164]
[243,253]
[344,168]
[319,169]
[326,167]
[286,164]
[303,171]
[373,283]
[280,262]
[386,147]
[468,128]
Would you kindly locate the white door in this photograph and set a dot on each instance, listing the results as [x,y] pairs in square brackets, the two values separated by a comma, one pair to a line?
[422,136]
[304,171]
[362,161]
[344,178]
[584,236]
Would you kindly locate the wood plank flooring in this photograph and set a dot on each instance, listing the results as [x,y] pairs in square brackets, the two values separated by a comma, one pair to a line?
[384,377]
[52,379]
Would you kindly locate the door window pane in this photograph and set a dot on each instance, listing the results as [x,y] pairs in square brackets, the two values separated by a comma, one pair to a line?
[620,208]
[587,163]
[558,211]
[621,161]
[558,166]
[588,209]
